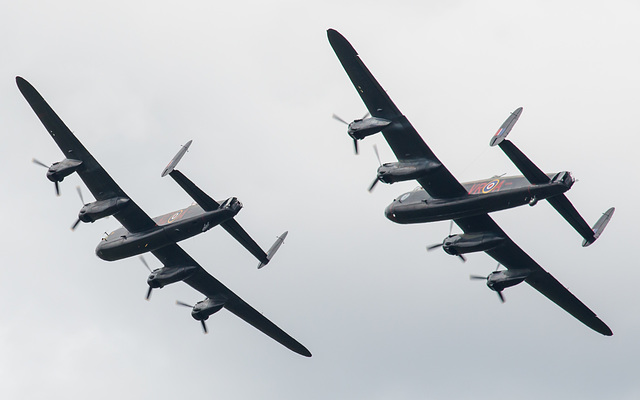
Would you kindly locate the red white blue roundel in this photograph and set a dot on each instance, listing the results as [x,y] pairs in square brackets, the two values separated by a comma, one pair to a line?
[490,186]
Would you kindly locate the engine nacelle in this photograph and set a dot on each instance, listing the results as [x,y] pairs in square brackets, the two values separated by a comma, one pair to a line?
[58,171]
[471,242]
[203,309]
[361,128]
[406,170]
[167,275]
[500,280]
[103,208]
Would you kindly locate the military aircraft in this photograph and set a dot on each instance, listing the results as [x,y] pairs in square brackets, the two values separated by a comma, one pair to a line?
[442,197]
[140,233]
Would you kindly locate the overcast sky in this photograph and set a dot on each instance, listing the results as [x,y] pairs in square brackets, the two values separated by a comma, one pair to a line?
[254,85]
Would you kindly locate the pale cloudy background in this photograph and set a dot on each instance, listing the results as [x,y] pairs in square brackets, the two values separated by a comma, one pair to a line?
[254,84]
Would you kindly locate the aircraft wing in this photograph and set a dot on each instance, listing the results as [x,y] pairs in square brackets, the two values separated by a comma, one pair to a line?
[512,256]
[402,137]
[101,185]
[202,281]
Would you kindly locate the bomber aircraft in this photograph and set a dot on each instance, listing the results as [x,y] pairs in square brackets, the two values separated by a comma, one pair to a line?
[140,233]
[442,197]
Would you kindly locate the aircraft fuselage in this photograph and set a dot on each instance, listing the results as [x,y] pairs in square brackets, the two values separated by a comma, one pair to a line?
[170,228]
[482,197]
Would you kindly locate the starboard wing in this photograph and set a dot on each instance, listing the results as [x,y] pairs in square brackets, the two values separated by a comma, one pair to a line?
[511,256]
[203,282]
[98,181]
[402,137]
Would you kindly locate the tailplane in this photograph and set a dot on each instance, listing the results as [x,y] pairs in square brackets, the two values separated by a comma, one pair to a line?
[536,177]
[209,204]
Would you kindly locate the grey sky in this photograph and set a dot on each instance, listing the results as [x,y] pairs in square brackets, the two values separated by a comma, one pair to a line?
[254,85]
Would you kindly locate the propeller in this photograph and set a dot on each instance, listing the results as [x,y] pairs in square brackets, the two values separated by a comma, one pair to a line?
[375,181]
[75,224]
[147,265]
[486,278]
[37,162]
[438,245]
[355,141]
[204,325]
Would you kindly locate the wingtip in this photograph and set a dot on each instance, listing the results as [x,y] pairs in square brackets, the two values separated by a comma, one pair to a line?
[22,83]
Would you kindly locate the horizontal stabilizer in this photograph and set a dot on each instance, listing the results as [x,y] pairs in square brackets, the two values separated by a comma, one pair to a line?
[506,127]
[172,164]
[272,251]
[530,171]
[560,202]
[209,204]
[600,225]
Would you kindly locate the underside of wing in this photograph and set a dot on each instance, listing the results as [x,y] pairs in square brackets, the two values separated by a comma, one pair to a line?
[403,139]
[98,181]
[511,256]
[202,281]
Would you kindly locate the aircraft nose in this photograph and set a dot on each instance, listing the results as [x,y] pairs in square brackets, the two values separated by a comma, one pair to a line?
[389,212]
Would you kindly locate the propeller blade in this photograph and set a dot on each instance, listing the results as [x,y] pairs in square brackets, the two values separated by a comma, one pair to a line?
[463,258]
[484,278]
[501,296]
[149,293]
[39,163]
[355,145]
[434,246]
[367,115]
[178,302]
[373,184]
[75,224]
[57,188]
[80,194]
[204,326]
[450,227]
[334,117]
[375,149]
[145,262]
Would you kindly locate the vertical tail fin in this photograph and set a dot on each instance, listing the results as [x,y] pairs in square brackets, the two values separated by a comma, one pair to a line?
[272,251]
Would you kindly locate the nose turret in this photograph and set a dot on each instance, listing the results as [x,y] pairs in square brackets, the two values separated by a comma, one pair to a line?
[389,212]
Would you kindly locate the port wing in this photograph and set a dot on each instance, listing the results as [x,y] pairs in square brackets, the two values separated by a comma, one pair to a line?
[511,256]
[173,255]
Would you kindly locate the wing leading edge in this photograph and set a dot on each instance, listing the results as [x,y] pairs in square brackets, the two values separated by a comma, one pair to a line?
[101,185]
[511,256]
[402,137]
[173,255]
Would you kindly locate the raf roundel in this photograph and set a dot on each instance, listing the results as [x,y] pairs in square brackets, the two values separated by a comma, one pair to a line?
[490,186]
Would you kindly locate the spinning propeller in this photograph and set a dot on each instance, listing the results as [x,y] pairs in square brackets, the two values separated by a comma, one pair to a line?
[75,224]
[204,325]
[47,167]
[486,278]
[375,182]
[355,141]
[147,265]
[438,245]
